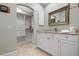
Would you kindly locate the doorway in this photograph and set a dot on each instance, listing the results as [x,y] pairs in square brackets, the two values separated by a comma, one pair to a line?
[24,25]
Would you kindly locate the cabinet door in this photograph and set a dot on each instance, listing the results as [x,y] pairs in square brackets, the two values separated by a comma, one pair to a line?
[48,43]
[41,37]
[53,45]
[69,48]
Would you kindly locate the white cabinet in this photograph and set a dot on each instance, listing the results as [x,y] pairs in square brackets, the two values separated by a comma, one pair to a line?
[41,40]
[69,48]
[53,45]
[69,45]
[58,44]
[48,43]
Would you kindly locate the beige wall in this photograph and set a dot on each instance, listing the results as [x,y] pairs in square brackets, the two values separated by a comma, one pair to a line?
[7,30]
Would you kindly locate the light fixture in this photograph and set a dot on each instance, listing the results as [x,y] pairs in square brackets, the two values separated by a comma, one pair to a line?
[44,4]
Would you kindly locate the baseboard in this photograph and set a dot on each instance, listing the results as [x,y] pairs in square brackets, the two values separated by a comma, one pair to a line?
[45,51]
[13,53]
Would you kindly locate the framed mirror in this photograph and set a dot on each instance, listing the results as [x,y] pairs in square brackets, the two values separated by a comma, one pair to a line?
[59,17]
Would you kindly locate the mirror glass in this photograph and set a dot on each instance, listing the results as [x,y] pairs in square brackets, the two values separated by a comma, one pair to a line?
[60,16]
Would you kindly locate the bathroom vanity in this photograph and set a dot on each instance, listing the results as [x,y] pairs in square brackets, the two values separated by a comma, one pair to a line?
[58,44]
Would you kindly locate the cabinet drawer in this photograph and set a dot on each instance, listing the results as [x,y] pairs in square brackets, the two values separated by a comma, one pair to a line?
[72,38]
[56,36]
[50,36]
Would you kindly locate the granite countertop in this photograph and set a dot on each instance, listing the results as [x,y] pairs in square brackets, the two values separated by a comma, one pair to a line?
[47,31]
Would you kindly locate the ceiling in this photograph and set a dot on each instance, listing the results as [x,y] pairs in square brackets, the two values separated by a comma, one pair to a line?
[44,4]
[24,10]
